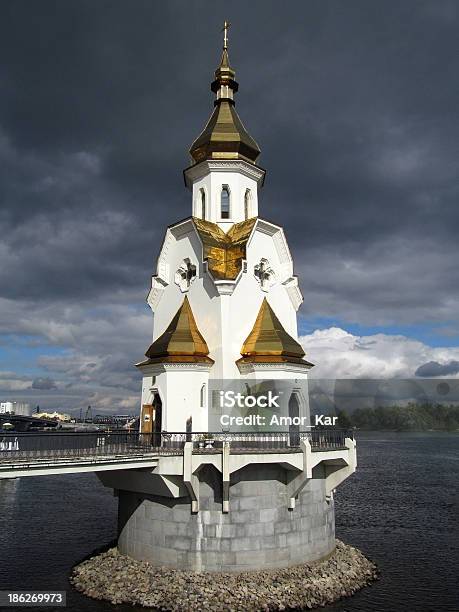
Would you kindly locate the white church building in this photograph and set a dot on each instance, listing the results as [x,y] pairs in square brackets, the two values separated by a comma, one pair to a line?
[224,295]
[225,300]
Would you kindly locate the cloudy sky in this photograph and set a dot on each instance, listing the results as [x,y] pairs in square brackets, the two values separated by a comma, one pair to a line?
[355,106]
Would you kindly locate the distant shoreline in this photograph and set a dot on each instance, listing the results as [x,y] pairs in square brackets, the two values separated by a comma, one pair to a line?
[446,431]
[412,417]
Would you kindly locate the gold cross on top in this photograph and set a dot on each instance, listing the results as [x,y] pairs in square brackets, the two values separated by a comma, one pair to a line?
[225,28]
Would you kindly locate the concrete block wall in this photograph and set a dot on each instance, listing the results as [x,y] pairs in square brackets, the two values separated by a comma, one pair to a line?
[258,532]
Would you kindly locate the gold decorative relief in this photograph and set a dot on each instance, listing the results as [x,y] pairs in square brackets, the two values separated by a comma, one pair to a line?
[224,253]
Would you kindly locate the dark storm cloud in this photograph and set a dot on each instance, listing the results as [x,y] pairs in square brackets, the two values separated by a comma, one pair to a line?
[355,107]
[44,384]
[433,368]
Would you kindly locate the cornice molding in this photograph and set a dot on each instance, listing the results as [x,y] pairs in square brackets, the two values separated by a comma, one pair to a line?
[248,368]
[286,276]
[161,279]
[153,369]
[198,171]
[293,291]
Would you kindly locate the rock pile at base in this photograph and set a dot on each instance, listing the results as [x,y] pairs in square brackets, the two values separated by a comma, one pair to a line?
[119,579]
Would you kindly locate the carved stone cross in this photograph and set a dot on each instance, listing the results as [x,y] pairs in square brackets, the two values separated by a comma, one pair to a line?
[262,272]
[188,272]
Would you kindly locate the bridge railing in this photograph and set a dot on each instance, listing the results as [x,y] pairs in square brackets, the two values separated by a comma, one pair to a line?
[328,439]
[70,445]
[37,446]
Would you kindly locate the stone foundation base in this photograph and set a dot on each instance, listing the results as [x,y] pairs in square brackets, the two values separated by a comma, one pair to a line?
[120,579]
[259,531]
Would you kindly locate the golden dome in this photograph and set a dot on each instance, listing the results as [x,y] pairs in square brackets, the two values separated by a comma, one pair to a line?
[224,136]
[181,342]
[269,342]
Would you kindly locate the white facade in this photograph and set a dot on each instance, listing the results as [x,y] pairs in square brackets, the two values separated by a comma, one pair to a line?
[183,390]
[225,310]
[234,268]
[209,178]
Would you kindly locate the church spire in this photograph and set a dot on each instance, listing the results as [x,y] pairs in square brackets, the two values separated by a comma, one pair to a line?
[224,136]
[224,85]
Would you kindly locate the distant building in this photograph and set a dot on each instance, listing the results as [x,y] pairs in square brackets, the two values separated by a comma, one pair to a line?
[21,408]
[59,416]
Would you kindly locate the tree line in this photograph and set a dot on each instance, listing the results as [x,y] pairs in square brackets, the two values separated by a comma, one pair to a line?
[412,417]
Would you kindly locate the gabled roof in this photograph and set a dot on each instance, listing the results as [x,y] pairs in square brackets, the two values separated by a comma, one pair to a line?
[269,342]
[181,342]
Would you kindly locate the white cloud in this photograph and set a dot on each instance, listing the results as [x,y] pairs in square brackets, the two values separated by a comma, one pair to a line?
[339,354]
[98,346]
[10,381]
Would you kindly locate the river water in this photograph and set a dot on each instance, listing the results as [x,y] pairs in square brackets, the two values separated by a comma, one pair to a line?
[400,509]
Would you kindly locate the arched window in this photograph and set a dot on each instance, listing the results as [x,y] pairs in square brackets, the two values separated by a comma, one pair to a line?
[247,198]
[294,414]
[202,396]
[203,203]
[225,203]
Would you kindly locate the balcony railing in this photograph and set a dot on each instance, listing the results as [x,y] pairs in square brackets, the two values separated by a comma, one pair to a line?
[92,445]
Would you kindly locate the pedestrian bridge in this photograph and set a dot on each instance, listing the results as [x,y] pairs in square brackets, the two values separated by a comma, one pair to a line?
[57,452]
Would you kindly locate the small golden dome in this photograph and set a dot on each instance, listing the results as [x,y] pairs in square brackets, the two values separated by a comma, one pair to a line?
[269,342]
[181,342]
[224,136]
